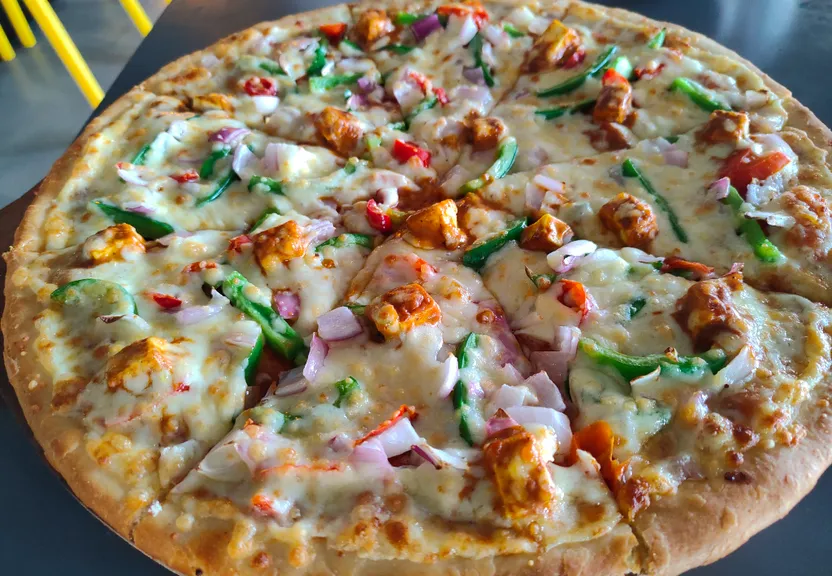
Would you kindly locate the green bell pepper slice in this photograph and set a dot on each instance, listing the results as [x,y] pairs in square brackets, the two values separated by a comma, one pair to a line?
[422,106]
[207,168]
[459,396]
[631,171]
[476,50]
[250,371]
[698,94]
[149,228]
[347,239]
[512,31]
[506,155]
[477,255]
[318,60]
[572,84]
[271,67]
[278,334]
[623,66]
[274,186]
[635,306]
[406,19]
[345,387]
[397,48]
[657,41]
[105,297]
[141,155]
[763,248]
[222,186]
[321,84]
[557,112]
[694,366]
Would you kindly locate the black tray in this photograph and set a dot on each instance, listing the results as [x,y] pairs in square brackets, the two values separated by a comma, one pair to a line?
[46,531]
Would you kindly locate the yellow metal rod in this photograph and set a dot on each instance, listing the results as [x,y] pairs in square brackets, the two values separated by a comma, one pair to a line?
[19,23]
[67,51]
[137,15]
[6,50]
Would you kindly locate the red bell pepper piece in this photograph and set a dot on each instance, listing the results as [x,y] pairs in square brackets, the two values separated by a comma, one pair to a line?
[236,244]
[166,301]
[377,218]
[188,176]
[258,86]
[404,151]
[743,167]
[334,32]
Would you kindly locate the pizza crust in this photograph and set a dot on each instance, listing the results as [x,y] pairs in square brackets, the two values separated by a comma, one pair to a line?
[703,522]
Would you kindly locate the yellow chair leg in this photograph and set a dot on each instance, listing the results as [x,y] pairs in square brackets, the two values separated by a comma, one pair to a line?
[6,50]
[19,23]
[137,15]
[67,51]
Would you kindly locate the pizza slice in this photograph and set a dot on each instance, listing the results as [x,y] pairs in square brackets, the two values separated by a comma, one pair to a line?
[592,83]
[403,459]
[682,389]
[716,196]
[169,171]
[444,64]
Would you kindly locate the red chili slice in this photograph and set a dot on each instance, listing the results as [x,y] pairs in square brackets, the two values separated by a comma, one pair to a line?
[188,176]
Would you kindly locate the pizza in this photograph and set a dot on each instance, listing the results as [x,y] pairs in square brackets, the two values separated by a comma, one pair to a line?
[435,288]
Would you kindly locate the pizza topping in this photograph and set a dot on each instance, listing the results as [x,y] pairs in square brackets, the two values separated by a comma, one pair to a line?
[166,301]
[555,47]
[546,234]
[518,465]
[670,363]
[487,133]
[114,243]
[371,26]
[506,154]
[278,334]
[149,228]
[751,229]
[101,297]
[347,239]
[321,84]
[339,324]
[568,256]
[460,397]
[259,86]
[334,32]
[630,170]
[402,309]
[630,219]
[684,268]
[615,100]
[378,218]
[276,246]
[725,126]
[339,129]
[657,41]
[476,256]
[743,167]
[813,219]
[133,367]
[472,9]
[435,227]
[706,311]
[404,151]
[698,94]
[576,82]
[479,48]
[424,26]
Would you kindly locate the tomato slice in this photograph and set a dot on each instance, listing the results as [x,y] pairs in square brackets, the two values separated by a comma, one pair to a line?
[743,167]
[377,218]
[188,176]
[404,151]
[166,301]
[334,32]
[258,86]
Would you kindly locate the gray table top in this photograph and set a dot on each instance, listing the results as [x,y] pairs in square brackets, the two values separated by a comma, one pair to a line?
[48,532]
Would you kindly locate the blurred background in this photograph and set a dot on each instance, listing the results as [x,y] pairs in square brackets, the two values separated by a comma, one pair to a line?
[41,109]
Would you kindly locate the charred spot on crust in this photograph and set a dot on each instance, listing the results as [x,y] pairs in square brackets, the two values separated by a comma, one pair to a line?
[737,477]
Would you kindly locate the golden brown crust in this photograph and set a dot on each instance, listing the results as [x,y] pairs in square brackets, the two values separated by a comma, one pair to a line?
[60,437]
[613,553]
[705,521]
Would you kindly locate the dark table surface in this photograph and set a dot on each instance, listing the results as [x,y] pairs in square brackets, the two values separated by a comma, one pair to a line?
[45,530]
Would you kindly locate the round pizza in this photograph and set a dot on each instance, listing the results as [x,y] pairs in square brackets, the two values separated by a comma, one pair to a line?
[435,288]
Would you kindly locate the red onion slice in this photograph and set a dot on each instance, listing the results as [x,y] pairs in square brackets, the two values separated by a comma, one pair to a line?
[357,102]
[554,363]
[496,36]
[548,183]
[317,231]
[229,135]
[398,438]
[467,30]
[423,28]
[548,394]
[315,360]
[366,84]
[508,396]
[244,163]
[534,197]
[439,458]
[291,383]
[555,420]
[448,376]
[286,303]
[498,422]
[676,157]
[738,370]
[265,105]
[241,339]
[339,324]
[566,257]
[130,175]
[138,208]
[771,218]
[474,75]
[719,188]
[566,339]
[196,314]
[372,453]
